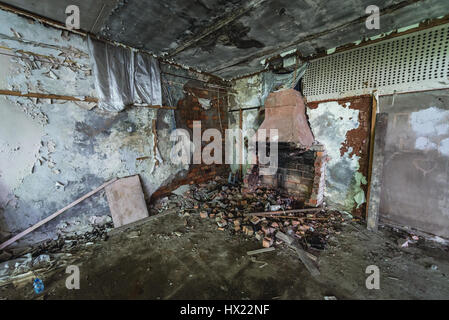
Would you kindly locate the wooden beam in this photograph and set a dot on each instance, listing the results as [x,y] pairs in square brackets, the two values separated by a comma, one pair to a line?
[241,143]
[371,148]
[268,213]
[260,251]
[375,189]
[299,218]
[54,215]
[68,98]
[46,96]
[302,255]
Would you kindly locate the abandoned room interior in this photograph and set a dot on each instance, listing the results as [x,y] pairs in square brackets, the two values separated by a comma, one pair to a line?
[224,150]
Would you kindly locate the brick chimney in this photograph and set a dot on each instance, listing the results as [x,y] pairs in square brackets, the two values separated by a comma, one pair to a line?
[285,111]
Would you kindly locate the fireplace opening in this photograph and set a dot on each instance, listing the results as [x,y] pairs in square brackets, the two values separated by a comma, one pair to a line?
[300,174]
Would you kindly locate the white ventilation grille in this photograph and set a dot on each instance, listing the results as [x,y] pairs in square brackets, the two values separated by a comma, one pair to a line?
[413,62]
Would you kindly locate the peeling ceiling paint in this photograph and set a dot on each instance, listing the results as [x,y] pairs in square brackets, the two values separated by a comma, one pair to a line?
[230,38]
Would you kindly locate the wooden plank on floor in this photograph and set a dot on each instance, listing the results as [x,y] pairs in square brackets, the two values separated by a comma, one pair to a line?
[250,253]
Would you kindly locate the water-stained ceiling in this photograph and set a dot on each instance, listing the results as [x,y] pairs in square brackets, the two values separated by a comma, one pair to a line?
[231,38]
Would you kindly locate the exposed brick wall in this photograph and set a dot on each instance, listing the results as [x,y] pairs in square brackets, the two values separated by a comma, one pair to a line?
[189,110]
[319,179]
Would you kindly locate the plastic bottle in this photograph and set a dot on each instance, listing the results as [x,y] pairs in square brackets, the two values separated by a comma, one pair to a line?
[38,285]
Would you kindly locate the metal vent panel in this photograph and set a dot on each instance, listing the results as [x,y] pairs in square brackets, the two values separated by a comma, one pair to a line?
[413,62]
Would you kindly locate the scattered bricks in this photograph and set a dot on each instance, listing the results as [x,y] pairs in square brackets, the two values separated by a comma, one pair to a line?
[265,229]
[255,220]
[222,223]
[203,214]
[260,235]
[267,242]
[248,230]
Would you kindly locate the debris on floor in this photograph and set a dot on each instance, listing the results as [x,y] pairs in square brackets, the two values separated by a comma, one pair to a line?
[266,214]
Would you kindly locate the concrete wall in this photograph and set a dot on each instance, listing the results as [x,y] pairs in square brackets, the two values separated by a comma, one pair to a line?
[415,178]
[53,151]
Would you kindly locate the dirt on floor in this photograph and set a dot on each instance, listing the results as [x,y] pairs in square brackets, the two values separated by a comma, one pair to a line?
[169,256]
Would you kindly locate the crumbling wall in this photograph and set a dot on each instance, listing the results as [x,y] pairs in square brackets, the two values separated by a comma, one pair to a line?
[342,126]
[249,93]
[54,151]
[207,104]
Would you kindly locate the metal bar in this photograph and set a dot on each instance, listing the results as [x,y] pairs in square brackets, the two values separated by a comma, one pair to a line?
[252,108]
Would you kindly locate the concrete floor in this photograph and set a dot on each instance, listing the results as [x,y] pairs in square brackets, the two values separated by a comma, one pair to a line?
[170,257]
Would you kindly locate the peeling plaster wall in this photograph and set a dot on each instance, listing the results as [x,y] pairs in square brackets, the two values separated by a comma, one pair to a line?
[342,126]
[415,177]
[249,93]
[53,152]
[330,123]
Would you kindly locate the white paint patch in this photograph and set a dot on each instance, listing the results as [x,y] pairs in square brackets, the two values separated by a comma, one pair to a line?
[423,143]
[330,122]
[18,152]
[430,121]
[444,147]
[431,127]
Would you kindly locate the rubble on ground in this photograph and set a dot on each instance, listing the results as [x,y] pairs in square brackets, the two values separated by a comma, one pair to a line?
[17,263]
[220,201]
[232,210]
